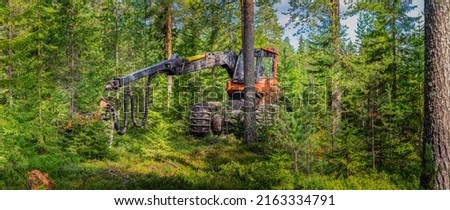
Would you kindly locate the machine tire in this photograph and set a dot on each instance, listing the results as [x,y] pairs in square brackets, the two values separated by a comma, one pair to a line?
[201,119]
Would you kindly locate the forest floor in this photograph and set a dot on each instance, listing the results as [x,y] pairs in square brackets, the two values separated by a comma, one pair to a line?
[168,157]
[172,163]
[178,163]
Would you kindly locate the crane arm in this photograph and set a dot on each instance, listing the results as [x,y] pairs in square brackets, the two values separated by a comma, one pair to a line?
[177,66]
[174,66]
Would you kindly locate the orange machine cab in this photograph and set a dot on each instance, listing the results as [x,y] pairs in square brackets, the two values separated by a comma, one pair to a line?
[266,62]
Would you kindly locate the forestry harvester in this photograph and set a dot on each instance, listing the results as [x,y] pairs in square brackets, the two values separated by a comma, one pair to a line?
[207,117]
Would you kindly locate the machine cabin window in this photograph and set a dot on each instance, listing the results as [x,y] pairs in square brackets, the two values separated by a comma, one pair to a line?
[263,67]
[267,66]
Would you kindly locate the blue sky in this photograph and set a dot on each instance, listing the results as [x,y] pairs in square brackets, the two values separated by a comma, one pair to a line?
[349,22]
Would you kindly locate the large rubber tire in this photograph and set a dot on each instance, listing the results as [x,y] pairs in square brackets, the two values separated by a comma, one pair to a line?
[201,119]
[208,118]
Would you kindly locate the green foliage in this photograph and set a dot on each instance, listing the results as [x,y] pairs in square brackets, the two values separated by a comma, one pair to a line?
[268,32]
[87,139]
[272,174]
[381,86]
[61,54]
[348,159]
[359,182]
[13,169]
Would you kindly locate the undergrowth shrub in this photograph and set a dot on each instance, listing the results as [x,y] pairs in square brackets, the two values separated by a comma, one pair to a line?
[87,139]
[378,181]
[13,170]
[274,173]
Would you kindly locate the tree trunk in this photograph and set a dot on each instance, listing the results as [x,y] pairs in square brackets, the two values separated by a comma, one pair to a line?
[372,132]
[71,57]
[436,136]
[9,68]
[39,71]
[169,48]
[296,161]
[336,93]
[249,73]
[394,11]
[116,5]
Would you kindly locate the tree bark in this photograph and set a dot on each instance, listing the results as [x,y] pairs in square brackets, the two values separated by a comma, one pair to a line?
[249,72]
[71,57]
[169,48]
[9,68]
[436,134]
[394,66]
[372,132]
[116,41]
[336,93]
[39,71]
[116,6]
